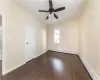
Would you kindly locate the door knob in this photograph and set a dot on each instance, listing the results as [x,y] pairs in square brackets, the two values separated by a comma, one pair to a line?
[27,43]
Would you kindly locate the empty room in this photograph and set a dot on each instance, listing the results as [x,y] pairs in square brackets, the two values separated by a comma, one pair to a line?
[50,39]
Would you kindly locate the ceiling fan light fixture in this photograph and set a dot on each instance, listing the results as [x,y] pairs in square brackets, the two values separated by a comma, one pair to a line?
[52,10]
[50,15]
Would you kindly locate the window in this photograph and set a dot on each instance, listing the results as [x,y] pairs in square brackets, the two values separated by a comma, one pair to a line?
[57,36]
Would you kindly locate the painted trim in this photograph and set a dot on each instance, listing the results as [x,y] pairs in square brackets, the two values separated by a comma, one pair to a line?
[40,54]
[3,42]
[64,51]
[12,69]
[8,71]
[89,69]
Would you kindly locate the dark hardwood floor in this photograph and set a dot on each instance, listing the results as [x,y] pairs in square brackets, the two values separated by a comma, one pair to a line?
[51,66]
[0,69]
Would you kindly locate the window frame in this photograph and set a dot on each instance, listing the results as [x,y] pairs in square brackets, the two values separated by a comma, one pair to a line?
[56,41]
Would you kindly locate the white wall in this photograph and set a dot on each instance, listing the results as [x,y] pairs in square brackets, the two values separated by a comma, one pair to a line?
[69,37]
[90,35]
[16,19]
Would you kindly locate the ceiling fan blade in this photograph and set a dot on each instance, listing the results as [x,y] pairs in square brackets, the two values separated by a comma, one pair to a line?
[50,4]
[47,17]
[59,9]
[55,16]
[43,11]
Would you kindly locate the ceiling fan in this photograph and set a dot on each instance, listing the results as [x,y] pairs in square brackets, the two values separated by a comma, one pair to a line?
[51,10]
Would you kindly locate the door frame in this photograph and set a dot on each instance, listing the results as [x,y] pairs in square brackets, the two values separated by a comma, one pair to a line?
[3,43]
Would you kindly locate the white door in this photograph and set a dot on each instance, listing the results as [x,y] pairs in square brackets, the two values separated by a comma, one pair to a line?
[30,42]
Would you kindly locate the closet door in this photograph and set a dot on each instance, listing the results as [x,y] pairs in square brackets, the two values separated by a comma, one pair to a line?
[30,42]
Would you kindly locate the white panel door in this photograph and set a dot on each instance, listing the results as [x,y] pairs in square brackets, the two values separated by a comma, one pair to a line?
[30,42]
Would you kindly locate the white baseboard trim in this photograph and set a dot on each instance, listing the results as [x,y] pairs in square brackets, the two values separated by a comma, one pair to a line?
[63,51]
[40,54]
[89,69]
[91,72]
[8,71]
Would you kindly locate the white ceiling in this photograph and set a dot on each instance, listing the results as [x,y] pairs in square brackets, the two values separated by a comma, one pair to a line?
[73,9]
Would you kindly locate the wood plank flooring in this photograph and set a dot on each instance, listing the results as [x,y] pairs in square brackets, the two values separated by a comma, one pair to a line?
[51,66]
